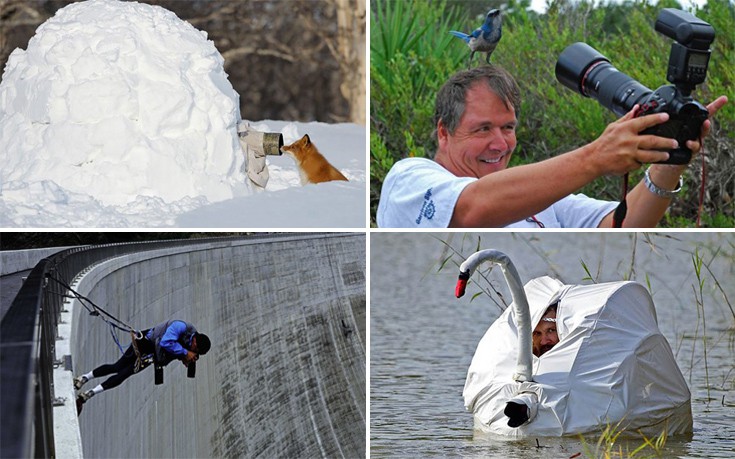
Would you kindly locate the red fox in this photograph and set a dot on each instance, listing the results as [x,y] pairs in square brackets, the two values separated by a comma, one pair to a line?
[313,167]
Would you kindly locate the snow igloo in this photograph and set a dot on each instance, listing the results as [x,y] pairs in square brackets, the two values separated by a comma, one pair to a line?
[120,103]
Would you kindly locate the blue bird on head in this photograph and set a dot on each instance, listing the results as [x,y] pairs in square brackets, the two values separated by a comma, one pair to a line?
[485,38]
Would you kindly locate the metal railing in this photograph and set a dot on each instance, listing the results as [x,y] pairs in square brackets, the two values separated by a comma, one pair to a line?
[28,335]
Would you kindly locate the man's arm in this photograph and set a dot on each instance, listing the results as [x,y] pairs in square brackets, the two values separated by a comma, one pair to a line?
[516,193]
[170,340]
[645,209]
[507,196]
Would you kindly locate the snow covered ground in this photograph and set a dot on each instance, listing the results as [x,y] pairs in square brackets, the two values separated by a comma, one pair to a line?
[283,204]
[119,114]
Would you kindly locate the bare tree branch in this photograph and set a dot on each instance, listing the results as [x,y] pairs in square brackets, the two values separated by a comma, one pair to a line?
[236,53]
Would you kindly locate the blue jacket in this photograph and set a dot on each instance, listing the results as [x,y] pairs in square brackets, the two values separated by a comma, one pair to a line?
[172,340]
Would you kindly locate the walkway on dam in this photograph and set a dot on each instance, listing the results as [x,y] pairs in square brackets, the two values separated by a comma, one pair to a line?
[9,286]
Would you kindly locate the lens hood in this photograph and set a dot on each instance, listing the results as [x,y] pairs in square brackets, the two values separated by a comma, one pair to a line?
[573,64]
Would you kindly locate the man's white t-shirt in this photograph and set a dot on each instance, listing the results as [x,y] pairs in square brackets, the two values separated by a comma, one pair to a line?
[420,193]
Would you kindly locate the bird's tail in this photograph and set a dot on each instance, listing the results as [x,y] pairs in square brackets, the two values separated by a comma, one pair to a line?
[461,35]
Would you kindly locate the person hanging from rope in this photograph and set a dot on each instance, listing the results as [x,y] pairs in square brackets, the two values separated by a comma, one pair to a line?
[162,344]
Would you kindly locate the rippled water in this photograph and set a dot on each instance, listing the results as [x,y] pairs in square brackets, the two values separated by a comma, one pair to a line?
[422,338]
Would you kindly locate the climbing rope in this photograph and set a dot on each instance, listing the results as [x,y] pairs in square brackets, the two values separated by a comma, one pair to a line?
[112,321]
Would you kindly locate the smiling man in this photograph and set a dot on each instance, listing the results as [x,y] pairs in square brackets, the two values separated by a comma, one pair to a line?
[469,184]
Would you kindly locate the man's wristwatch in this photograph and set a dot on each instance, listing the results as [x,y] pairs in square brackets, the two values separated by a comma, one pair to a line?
[653,188]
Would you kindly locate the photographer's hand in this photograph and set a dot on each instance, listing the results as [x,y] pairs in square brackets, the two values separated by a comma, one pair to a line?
[190,357]
[646,209]
[621,148]
[667,176]
[712,108]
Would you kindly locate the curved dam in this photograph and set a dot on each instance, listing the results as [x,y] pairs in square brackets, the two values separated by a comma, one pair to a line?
[286,373]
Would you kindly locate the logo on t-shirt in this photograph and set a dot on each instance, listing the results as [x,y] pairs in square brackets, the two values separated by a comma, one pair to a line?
[427,208]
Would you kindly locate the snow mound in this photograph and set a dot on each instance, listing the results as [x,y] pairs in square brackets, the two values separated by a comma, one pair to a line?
[118,105]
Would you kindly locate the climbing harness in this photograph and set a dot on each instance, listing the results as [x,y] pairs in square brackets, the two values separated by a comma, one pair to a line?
[141,361]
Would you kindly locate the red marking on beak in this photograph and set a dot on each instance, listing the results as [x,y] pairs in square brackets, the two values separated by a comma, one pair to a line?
[461,286]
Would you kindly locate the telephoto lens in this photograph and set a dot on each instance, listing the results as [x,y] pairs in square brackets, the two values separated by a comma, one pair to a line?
[191,370]
[583,69]
[158,375]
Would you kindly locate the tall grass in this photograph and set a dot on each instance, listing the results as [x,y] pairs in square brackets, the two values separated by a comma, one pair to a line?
[455,257]
[609,445]
[698,290]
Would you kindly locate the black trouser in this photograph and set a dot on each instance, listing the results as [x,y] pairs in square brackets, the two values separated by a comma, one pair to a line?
[125,365]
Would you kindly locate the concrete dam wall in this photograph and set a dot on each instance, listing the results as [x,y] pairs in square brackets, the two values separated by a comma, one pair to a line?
[12,261]
[286,373]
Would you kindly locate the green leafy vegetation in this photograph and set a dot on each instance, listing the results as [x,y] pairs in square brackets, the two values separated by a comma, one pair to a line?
[412,54]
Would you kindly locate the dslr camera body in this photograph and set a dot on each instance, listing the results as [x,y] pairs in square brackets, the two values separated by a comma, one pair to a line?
[581,68]
[191,372]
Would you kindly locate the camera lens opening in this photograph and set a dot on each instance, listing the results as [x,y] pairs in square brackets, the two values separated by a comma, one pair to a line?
[574,64]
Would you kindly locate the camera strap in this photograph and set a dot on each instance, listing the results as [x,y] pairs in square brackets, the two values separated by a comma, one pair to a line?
[622,208]
[702,186]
